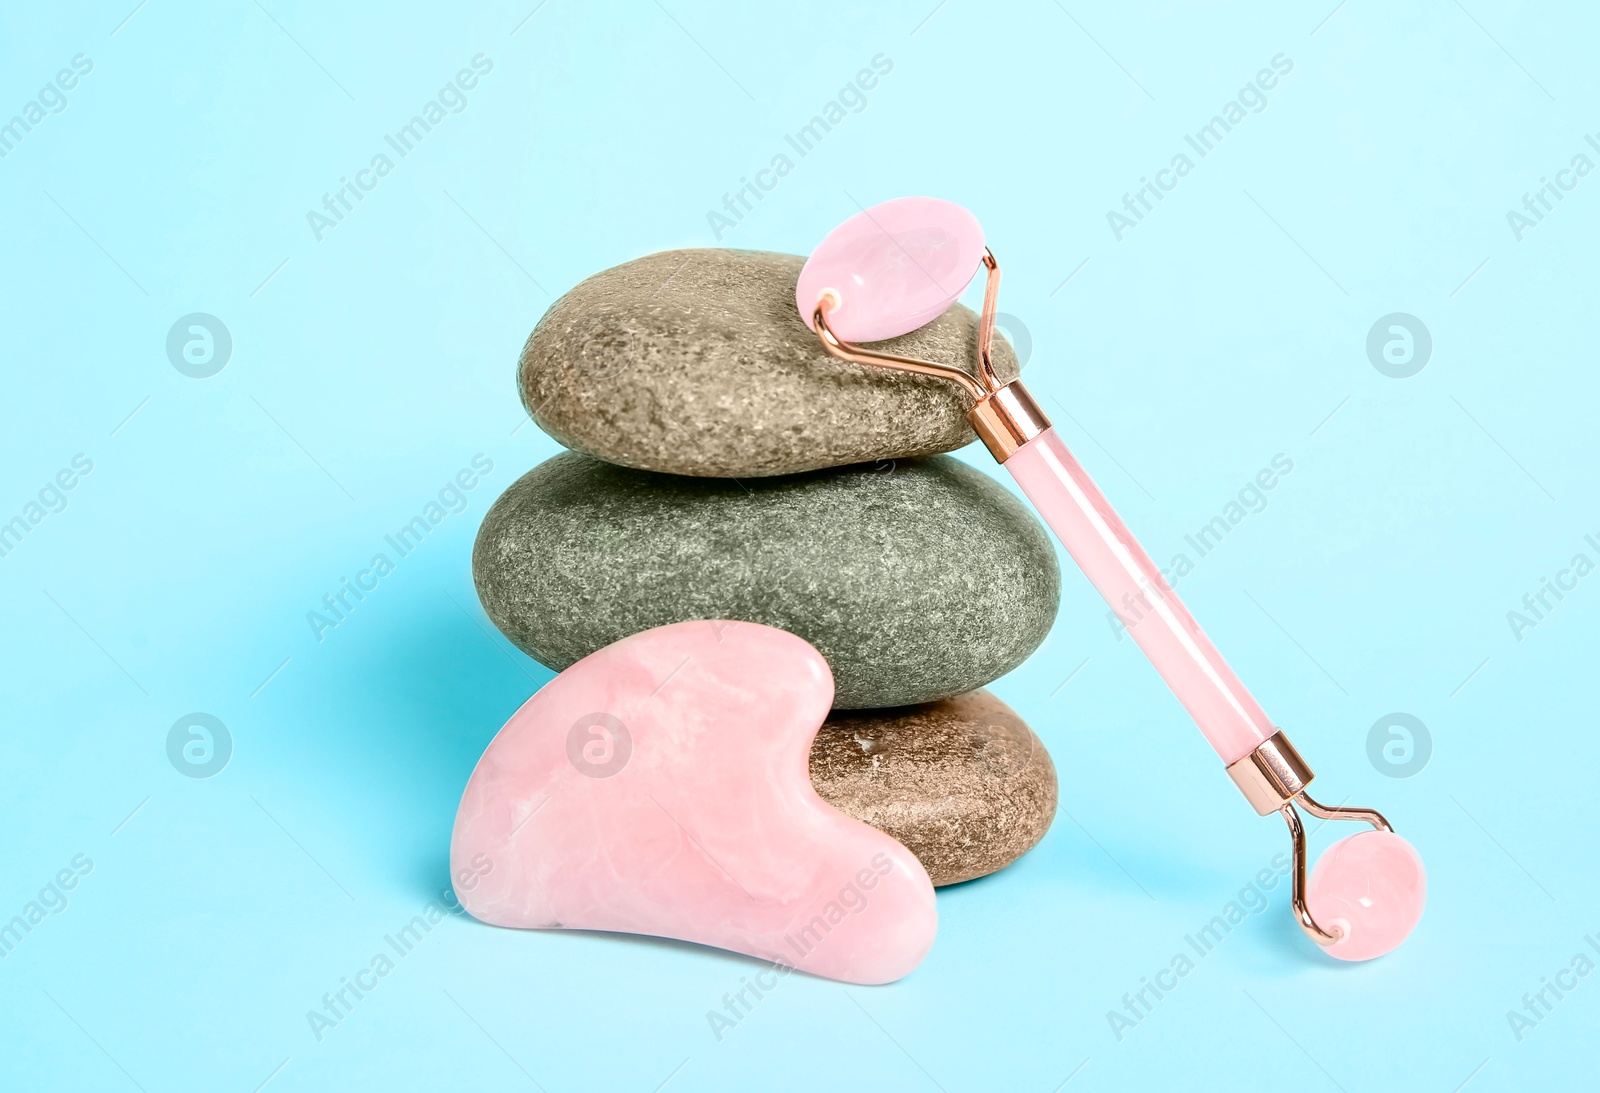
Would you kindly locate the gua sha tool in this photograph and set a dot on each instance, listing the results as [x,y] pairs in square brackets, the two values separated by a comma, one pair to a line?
[877,276]
[662,786]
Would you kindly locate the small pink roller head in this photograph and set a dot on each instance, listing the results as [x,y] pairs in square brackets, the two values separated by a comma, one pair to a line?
[892,268]
[1372,887]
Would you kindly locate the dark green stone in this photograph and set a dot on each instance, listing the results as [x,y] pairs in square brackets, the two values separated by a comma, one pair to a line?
[916,579]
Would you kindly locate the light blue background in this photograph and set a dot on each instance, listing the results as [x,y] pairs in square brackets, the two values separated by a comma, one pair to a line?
[369,367]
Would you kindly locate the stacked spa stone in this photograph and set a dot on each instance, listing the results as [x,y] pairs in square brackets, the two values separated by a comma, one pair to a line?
[724,467]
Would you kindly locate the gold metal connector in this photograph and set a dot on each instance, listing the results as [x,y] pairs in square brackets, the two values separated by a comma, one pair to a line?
[1274,778]
[1271,775]
[1004,415]
[1007,419]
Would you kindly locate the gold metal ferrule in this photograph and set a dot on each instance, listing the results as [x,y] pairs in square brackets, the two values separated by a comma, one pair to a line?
[1007,419]
[1272,775]
[1004,415]
[1274,778]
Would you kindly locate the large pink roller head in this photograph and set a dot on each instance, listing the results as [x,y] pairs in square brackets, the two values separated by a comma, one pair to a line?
[892,268]
[1371,887]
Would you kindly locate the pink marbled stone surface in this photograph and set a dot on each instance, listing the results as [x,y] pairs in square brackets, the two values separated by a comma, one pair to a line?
[661,786]
[892,268]
[1372,886]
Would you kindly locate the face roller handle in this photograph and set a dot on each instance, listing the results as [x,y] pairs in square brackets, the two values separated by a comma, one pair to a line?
[1259,758]
[1016,431]
[1079,514]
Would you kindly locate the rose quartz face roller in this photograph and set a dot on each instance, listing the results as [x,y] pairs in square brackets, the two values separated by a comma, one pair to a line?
[896,266]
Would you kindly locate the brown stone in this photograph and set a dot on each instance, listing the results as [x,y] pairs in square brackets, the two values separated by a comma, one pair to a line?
[696,362]
[963,783]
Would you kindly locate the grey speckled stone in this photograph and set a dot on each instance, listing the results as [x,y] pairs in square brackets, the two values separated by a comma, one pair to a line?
[917,579]
[963,783]
[696,362]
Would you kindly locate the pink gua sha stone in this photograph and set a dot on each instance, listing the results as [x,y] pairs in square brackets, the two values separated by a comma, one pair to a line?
[661,786]
[892,268]
[1373,887]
